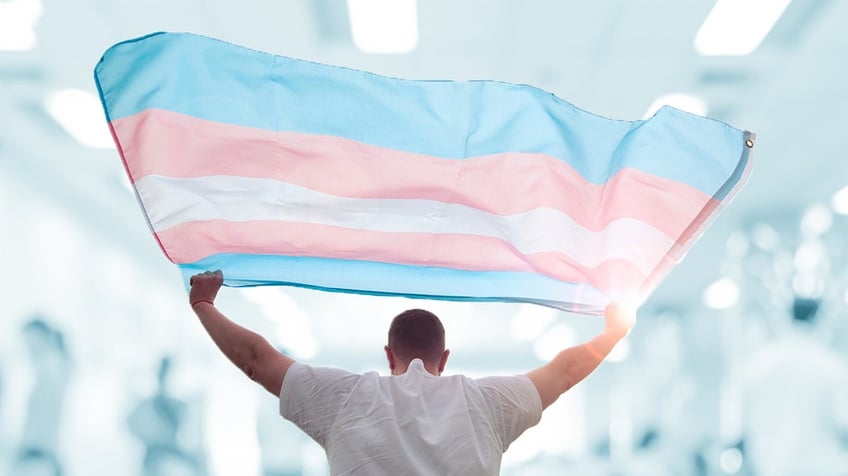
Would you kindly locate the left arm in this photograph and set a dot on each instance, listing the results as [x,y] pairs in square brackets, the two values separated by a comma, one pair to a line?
[249,351]
[575,363]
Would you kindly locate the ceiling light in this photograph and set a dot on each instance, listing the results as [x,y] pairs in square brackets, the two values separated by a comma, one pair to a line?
[737,27]
[80,114]
[839,201]
[17,24]
[684,102]
[722,294]
[384,26]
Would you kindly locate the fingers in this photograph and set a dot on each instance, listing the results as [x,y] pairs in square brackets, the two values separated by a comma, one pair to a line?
[206,274]
[620,317]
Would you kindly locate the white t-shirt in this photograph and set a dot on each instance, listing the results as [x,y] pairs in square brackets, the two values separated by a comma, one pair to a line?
[410,424]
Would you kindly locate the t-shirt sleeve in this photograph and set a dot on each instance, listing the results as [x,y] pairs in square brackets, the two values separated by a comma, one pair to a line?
[515,405]
[311,397]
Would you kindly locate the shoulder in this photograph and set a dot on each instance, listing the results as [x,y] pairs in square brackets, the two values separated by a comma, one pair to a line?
[306,384]
[512,389]
[301,372]
[514,405]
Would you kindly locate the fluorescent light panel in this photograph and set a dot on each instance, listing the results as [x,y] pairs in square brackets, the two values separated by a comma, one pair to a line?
[737,27]
[80,114]
[384,26]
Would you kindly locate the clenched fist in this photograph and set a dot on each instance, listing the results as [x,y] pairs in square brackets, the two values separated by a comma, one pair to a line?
[205,286]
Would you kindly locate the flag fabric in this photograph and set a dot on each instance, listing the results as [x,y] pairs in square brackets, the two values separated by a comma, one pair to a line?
[281,171]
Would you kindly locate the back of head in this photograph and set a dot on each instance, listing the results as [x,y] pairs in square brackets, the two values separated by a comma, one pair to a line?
[417,333]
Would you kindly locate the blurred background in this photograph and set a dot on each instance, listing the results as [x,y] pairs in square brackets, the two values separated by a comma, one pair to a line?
[739,354]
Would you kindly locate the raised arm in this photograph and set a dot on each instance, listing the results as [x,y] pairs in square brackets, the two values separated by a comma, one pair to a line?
[574,364]
[249,351]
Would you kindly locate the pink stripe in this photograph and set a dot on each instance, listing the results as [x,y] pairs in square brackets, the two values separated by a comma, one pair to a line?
[192,241]
[692,232]
[157,142]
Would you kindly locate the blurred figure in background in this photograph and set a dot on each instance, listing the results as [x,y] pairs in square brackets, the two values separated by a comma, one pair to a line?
[157,422]
[33,462]
[38,447]
[790,403]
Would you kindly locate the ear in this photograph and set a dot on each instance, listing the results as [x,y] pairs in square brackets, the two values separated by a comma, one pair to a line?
[444,361]
[390,356]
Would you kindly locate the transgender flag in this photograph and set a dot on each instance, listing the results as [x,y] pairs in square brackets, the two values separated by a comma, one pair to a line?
[281,171]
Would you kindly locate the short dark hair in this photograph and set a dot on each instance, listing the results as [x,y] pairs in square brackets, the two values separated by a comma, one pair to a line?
[417,333]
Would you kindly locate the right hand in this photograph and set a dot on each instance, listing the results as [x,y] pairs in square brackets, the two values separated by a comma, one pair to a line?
[619,319]
[205,286]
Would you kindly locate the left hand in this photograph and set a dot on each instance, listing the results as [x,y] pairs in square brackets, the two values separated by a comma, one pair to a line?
[620,318]
[205,286]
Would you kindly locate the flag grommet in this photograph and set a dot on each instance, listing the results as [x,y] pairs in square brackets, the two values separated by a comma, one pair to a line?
[749,143]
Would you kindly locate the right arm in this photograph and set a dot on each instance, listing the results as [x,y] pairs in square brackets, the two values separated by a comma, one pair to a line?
[246,349]
[574,364]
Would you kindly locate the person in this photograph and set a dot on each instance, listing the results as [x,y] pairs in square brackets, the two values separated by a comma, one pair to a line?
[789,403]
[414,421]
[38,451]
[158,422]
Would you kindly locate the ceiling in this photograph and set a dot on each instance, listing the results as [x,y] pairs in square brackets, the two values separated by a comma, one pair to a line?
[610,57]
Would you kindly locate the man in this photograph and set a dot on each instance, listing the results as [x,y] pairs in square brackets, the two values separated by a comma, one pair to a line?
[414,422]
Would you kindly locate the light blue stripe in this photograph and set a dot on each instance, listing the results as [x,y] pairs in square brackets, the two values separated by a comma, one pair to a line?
[367,277]
[217,81]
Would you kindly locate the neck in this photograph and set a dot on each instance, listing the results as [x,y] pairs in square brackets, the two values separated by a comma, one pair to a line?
[402,367]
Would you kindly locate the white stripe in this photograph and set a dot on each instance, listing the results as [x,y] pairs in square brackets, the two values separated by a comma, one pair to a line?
[170,201]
